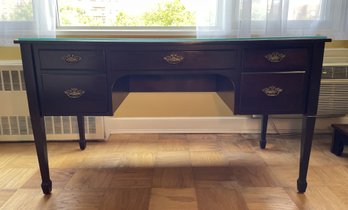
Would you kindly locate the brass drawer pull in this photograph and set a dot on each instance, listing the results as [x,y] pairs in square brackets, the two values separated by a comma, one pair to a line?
[275,57]
[173,58]
[272,91]
[74,92]
[72,59]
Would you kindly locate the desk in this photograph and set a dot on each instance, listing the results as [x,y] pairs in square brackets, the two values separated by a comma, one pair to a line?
[93,76]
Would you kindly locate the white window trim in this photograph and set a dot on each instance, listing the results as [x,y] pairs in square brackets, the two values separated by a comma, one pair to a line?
[126,31]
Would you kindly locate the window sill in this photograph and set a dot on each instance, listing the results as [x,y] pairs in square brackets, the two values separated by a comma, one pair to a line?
[105,33]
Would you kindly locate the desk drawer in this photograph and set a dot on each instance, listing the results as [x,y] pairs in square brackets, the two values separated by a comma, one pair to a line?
[275,60]
[72,60]
[273,93]
[178,60]
[72,94]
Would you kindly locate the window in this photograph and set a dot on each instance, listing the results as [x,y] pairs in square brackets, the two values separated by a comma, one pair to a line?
[15,15]
[16,11]
[123,15]
[305,10]
[297,10]
[231,18]
[289,17]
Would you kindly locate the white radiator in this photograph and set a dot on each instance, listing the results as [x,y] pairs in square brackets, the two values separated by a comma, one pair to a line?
[14,114]
[333,98]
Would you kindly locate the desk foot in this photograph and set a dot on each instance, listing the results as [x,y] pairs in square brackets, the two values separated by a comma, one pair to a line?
[301,186]
[337,149]
[337,145]
[82,143]
[81,125]
[263,140]
[46,187]
[308,123]
[263,144]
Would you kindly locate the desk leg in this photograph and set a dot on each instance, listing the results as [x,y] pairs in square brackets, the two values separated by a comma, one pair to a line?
[308,123]
[81,125]
[38,125]
[264,122]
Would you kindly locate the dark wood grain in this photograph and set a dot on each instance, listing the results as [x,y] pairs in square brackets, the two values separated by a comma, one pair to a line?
[36,117]
[253,100]
[155,60]
[56,102]
[294,59]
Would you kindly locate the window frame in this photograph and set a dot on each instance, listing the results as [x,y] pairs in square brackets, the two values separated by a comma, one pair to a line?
[129,31]
[324,23]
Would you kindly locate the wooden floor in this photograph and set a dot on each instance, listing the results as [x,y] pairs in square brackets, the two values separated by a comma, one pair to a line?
[175,172]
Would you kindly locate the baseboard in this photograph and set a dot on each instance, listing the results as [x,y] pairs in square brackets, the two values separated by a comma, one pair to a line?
[182,125]
[238,124]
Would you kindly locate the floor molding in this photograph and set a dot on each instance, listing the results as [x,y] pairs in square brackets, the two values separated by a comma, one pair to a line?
[237,124]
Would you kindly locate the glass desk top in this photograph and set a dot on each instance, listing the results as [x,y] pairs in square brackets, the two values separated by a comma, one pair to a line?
[169,39]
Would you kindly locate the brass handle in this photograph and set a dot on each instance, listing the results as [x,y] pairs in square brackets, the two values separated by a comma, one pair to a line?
[74,92]
[72,59]
[272,91]
[173,58]
[275,57]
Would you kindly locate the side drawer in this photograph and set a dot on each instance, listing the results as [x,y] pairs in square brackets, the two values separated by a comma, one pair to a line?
[178,60]
[71,59]
[256,60]
[73,94]
[272,93]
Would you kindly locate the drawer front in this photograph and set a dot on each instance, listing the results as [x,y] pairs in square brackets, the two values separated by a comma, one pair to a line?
[159,60]
[275,60]
[273,93]
[72,60]
[72,94]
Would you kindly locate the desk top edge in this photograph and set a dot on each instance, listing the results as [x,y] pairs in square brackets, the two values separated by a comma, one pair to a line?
[171,40]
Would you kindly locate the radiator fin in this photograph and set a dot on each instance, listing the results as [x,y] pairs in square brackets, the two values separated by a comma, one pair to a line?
[16,86]
[1,82]
[21,73]
[66,125]
[49,125]
[23,125]
[5,126]
[12,80]
[30,129]
[14,125]
[57,125]
[6,80]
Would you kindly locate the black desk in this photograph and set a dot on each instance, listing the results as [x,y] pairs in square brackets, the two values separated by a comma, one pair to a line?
[93,76]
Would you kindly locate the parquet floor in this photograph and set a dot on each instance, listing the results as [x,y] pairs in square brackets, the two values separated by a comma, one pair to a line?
[175,172]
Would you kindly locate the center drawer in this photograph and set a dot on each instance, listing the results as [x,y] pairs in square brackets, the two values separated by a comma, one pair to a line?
[73,94]
[177,60]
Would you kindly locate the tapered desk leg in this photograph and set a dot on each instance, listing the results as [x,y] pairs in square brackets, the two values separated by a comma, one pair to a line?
[38,125]
[263,140]
[308,123]
[81,125]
